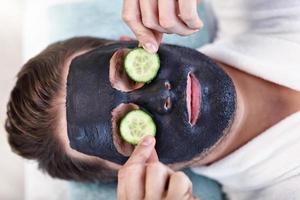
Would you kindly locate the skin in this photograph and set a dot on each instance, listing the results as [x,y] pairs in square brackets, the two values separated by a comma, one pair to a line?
[149,19]
[143,176]
[144,163]
[91,125]
[143,170]
[254,96]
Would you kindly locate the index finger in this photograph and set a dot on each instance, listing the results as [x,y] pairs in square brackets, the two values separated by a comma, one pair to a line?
[143,151]
[153,157]
[132,17]
[189,14]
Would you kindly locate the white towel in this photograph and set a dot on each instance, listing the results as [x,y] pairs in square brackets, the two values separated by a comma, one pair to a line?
[261,37]
[267,159]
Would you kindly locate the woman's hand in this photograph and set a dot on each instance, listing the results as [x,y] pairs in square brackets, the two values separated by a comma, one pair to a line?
[144,177]
[148,19]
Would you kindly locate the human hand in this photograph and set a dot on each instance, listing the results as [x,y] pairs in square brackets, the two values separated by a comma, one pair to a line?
[149,19]
[144,177]
[125,38]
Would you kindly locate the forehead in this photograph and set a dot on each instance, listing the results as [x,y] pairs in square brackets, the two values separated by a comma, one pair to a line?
[87,84]
[68,61]
[62,123]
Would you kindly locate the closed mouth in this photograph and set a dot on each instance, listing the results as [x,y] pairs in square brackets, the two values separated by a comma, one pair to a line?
[193,98]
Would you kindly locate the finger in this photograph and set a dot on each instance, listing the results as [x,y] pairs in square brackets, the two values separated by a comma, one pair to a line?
[131,16]
[126,38]
[169,20]
[149,12]
[180,187]
[142,151]
[121,188]
[157,176]
[135,182]
[189,14]
[153,157]
[195,198]
[158,37]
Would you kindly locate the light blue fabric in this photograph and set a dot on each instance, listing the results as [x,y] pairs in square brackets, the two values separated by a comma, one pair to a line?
[203,187]
[102,18]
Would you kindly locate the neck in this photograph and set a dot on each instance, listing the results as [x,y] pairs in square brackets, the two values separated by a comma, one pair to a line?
[260,105]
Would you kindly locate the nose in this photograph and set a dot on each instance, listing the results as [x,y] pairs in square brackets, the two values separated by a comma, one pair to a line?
[156,96]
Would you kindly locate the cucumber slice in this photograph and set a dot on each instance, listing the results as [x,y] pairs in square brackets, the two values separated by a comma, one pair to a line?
[135,125]
[141,66]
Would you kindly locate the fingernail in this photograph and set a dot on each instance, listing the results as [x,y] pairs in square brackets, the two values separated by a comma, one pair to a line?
[147,141]
[150,47]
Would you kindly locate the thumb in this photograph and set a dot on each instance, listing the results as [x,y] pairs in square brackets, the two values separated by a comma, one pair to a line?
[125,38]
[142,151]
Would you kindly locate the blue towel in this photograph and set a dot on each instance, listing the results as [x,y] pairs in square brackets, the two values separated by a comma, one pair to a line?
[102,18]
[203,187]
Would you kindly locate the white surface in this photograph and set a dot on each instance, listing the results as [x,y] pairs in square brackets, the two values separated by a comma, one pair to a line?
[35,38]
[18,179]
[41,186]
[11,167]
[35,29]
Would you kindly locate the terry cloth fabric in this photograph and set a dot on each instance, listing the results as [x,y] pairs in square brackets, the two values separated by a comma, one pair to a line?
[261,37]
[259,168]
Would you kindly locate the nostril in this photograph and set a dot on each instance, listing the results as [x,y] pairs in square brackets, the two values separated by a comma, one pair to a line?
[168,104]
[167,85]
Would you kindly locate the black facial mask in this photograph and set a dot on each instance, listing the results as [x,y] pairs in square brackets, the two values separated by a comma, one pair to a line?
[91,99]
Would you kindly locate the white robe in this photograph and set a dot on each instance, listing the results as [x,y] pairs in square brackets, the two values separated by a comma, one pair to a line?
[261,37]
[268,167]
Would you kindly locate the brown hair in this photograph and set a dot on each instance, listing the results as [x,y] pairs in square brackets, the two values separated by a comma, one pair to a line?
[32,113]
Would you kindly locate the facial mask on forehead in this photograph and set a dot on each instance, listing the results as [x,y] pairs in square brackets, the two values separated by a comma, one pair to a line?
[91,99]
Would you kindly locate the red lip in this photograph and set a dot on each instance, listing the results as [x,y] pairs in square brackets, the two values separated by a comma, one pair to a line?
[193,98]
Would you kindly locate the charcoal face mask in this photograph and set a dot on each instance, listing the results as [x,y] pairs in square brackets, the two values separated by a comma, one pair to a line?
[91,99]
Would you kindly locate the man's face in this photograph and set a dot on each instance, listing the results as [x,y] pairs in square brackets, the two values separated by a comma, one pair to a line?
[199,95]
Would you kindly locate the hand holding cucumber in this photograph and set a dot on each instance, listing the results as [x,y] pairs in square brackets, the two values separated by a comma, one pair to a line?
[149,19]
[144,177]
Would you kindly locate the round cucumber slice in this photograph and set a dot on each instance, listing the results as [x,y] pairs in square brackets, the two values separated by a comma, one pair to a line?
[135,125]
[141,66]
